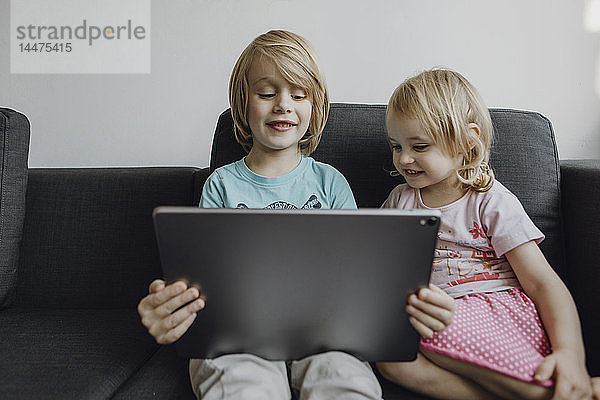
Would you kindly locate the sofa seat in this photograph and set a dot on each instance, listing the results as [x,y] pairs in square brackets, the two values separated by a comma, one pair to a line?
[70,353]
[164,376]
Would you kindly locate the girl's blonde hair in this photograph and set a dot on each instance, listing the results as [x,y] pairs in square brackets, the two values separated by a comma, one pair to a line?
[446,103]
[296,60]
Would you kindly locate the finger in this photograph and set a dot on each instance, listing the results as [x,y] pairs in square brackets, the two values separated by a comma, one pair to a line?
[177,302]
[426,319]
[147,305]
[441,314]
[558,391]
[438,297]
[156,286]
[546,369]
[596,388]
[173,321]
[177,332]
[182,314]
[422,329]
[435,288]
[174,289]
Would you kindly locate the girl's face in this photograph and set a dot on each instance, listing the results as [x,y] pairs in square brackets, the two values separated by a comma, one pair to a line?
[424,164]
[278,113]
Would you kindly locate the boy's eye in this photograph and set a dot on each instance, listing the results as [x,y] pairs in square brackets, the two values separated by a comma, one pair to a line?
[420,147]
[396,147]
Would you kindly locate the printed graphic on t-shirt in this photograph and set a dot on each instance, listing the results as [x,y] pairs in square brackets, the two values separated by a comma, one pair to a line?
[477,231]
[457,266]
[312,203]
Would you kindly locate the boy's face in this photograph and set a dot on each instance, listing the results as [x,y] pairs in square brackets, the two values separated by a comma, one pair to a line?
[278,113]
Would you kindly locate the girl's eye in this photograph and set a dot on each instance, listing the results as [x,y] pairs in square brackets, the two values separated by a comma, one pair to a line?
[397,148]
[266,95]
[420,147]
[298,96]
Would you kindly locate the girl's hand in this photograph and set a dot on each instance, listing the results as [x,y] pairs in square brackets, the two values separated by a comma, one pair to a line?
[596,388]
[168,311]
[430,310]
[571,378]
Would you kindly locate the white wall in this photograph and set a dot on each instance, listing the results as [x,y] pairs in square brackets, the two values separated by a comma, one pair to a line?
[532,54]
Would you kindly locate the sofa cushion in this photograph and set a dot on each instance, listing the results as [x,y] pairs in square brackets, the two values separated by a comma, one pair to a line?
[14,151]
[524,158]
[70,354]
[88,238]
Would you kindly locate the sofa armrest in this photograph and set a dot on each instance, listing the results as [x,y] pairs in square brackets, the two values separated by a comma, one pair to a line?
[580,186]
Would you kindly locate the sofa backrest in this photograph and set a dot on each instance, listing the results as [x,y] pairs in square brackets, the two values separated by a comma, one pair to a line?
[88,238]
[524,158]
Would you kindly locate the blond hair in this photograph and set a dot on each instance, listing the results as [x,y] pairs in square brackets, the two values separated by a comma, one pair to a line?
[296,60]
[445,103]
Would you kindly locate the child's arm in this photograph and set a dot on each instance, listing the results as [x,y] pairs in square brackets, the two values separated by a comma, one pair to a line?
[162,310]
[430,310]
[560,319]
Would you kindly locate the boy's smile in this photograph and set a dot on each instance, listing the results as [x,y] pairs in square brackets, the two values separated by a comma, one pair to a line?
[282,125]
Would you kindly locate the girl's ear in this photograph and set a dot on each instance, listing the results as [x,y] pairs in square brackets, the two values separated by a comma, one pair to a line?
[473,128]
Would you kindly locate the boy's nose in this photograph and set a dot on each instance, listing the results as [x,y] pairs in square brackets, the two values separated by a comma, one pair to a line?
[282,106]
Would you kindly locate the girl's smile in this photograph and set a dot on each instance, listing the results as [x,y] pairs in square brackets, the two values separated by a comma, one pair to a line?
[412,172]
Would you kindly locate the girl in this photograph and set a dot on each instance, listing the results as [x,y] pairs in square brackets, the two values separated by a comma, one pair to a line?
[279,103]
[487,258]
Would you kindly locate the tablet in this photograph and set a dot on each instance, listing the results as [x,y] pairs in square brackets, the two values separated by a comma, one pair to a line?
[286,284]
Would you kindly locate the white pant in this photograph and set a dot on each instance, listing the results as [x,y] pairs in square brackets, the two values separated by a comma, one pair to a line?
[332,375]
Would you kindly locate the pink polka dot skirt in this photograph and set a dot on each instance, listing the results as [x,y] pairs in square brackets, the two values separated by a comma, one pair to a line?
[501,331]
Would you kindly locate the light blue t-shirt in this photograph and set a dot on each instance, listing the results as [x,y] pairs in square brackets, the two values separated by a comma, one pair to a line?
[310,185]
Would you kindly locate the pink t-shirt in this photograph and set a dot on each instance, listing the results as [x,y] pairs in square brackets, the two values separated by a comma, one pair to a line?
[475,233]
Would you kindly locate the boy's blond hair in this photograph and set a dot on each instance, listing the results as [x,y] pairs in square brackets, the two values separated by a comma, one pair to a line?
[446,103]
[296,60]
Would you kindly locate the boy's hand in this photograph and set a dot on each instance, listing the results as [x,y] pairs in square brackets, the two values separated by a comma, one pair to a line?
[162,310]
[571,378]
[430,310]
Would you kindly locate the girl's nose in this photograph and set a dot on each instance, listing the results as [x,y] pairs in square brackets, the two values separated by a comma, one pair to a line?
[405,158]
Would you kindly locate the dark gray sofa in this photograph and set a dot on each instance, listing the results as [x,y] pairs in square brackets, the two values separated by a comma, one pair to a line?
[88,252]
